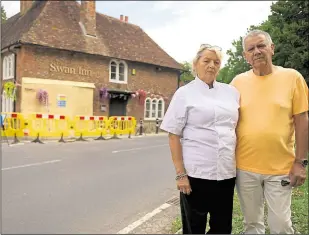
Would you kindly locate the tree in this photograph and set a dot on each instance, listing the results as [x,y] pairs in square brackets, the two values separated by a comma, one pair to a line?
[186,76]
[289,28]
[3,15]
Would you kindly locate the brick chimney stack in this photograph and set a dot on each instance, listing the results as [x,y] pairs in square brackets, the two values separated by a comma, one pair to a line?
[126,18]
[25,6]
[88,16]
[121,17]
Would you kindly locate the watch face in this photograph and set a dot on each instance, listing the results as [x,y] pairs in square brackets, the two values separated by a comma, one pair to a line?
[305,162]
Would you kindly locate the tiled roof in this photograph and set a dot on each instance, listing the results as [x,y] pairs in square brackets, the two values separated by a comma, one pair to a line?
[56,24]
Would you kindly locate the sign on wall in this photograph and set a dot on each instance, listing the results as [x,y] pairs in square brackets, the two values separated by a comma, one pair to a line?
[61,101]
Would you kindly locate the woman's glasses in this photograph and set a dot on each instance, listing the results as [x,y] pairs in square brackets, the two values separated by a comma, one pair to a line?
[208,46]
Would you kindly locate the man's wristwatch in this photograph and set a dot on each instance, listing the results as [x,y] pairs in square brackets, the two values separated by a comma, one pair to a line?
[304,162]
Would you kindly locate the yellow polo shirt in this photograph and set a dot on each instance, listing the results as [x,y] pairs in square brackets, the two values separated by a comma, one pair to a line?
[265,130]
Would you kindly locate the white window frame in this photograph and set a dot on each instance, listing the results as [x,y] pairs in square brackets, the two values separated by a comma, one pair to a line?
[7,103]
[118,62]
[156,109]
[163,108]
[8,67]
[145,108]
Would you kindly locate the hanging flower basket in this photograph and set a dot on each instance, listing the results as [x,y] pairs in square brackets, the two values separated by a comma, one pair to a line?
[9,88]
[42,96]
[142,96]
[103,93]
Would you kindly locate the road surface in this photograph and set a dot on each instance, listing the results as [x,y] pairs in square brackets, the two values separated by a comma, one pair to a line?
[84,187]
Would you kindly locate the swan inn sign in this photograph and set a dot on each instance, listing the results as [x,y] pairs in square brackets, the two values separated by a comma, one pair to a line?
[70,70]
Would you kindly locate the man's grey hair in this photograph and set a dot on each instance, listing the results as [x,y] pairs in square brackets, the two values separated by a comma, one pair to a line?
[255,33]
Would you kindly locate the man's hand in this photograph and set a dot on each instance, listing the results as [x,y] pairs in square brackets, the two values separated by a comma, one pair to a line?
[297,175]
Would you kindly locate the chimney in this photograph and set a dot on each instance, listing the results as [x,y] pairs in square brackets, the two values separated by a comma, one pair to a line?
[88,17]
[126,18]
[25,6]
[121,17]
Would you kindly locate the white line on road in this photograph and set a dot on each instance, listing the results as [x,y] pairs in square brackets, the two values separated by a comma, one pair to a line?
[147,147]
[33,164]
[137,223]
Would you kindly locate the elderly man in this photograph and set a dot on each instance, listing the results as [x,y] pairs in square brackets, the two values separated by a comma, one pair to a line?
[273,115]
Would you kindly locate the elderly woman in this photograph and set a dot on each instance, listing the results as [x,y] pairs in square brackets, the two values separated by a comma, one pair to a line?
[201,121]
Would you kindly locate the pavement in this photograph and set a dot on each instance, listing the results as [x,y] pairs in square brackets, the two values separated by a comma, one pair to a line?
[114,186]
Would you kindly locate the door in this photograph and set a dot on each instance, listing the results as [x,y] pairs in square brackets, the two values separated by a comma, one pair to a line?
[117,107]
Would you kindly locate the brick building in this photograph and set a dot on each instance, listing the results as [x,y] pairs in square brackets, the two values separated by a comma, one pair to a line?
[66,43]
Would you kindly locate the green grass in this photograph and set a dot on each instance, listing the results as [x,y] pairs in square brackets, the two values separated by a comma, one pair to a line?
[299,207]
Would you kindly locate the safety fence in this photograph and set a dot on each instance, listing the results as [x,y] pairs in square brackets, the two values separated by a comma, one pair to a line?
[38,125]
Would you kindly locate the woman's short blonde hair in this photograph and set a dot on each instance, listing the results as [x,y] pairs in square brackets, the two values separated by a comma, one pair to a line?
[199,53]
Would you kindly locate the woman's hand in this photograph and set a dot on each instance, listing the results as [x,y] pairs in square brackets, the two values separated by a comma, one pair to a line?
[183,185]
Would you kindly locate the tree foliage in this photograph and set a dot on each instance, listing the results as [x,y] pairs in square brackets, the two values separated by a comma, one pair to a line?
[3,15]
[288,27]
[186,76]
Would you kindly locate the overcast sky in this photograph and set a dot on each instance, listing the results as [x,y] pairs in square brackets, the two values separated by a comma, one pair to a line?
[180,27]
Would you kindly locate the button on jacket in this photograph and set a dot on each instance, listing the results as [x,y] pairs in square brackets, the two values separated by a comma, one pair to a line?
[206,120]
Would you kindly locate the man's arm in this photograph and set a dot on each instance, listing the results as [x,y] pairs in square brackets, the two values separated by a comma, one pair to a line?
[298,171]
[301,135]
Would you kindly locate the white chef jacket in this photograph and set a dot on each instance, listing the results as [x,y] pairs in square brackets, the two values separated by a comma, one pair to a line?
[206,119]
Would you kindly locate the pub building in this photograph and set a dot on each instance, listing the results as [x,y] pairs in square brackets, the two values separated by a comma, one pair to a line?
[63,57]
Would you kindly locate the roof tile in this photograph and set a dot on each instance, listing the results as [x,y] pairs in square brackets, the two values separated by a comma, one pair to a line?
[56,24]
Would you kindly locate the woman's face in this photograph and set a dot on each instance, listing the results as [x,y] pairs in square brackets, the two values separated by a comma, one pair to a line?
[208,65]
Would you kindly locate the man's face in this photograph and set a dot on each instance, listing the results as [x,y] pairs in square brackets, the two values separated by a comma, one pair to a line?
[258,51]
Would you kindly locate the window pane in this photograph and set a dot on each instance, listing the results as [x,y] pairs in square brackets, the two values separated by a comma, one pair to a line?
[154,108]
[10,67]
[113,67]
[147,109]
[147,114]
[113,76]
[121,68]
[121,77]
[5,67]
[160,109]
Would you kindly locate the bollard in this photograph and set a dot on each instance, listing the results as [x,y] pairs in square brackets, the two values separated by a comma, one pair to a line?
[157,126]
[129,135]
[140,126]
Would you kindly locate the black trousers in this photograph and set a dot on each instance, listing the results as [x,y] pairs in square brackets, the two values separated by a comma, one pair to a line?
[208,197]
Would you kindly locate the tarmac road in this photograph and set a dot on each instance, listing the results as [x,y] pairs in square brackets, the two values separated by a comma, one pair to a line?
[84,187]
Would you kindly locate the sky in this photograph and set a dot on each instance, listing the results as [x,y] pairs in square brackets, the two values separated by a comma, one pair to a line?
[180,27]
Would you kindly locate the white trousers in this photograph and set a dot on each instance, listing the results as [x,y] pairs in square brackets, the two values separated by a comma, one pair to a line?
[252,190]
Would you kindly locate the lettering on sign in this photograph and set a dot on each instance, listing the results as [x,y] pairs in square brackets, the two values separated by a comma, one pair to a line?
[71,70]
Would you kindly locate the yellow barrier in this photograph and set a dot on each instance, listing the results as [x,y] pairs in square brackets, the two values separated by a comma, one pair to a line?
[14,125]
[122,125]
[90,126]
[48,125]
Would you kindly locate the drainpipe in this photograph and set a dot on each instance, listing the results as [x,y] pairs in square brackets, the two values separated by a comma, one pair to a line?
[15,70]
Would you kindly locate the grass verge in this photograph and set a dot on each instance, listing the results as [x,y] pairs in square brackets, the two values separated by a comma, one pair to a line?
[299,207]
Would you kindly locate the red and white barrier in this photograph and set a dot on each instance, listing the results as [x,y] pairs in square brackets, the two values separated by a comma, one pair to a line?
[50,116]
[91,118]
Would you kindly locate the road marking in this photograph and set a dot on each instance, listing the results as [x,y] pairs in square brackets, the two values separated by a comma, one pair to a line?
[127,150]
[137,223]
[33,164]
